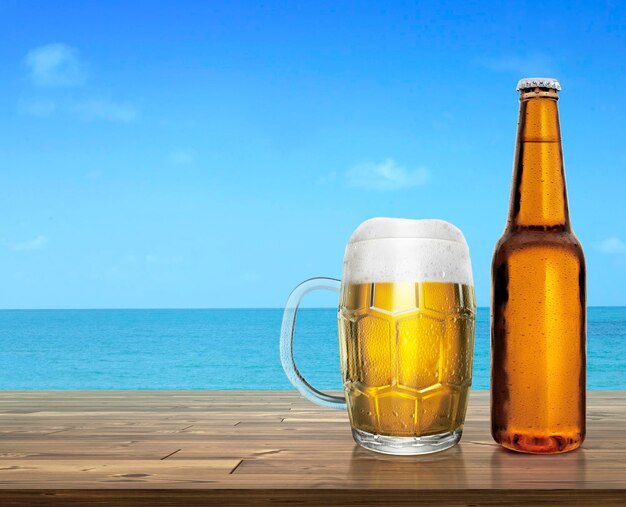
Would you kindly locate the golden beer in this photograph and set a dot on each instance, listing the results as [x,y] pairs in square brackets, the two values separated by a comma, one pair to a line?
[538,330]
[406,355]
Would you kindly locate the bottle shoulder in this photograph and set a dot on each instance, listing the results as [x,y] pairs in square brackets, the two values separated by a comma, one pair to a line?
[530,240]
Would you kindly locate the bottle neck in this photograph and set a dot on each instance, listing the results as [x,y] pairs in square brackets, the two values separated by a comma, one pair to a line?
[538,195]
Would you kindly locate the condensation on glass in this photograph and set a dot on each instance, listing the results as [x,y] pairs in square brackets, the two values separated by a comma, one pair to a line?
[406,335]
[538,324]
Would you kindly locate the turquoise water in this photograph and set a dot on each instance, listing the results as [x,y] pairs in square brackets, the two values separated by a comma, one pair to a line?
[220,349]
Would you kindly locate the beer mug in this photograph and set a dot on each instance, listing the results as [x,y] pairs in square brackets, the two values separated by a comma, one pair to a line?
[406,335]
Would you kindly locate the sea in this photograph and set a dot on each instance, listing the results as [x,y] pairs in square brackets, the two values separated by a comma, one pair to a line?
[222,349]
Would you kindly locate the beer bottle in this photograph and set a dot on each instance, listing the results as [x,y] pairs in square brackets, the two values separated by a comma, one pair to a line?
[538,329]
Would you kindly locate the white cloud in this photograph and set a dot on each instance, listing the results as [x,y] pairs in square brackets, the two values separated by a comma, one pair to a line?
[37,107]
[331,177]
[93,175]
[182,157]
[251,277]
[154,259]
[101,109]
[443,121]
[29,245]
[59,65]
[386,175]
[613,245]
[55,65]
[88,109]
[535,64]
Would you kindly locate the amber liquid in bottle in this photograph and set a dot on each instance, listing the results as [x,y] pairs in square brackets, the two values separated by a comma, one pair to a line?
[538,321]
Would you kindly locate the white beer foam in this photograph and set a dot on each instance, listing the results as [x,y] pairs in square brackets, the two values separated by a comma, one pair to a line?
[400,249]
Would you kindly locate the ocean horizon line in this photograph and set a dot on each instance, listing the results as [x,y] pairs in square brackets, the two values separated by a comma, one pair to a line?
[200,308]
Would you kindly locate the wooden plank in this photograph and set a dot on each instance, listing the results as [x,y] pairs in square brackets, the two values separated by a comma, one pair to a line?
[306,497]
[127,473]
[243,447]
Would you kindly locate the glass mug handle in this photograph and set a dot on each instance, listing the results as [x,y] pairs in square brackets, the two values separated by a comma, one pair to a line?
[286,342]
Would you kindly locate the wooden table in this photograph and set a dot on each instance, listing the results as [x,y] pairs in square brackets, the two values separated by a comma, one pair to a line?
[248,447]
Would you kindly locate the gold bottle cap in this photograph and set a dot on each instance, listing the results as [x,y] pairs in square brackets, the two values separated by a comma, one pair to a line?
[538,82]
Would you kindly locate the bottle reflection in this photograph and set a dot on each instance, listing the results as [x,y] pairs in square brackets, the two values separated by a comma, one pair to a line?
[514,470]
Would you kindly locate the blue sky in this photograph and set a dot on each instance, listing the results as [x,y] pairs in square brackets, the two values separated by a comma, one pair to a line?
[214,154]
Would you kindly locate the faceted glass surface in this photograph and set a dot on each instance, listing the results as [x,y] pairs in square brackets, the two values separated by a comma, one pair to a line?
[407,353]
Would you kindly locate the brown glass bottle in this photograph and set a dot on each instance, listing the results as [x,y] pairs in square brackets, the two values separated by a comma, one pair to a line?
[538,320]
